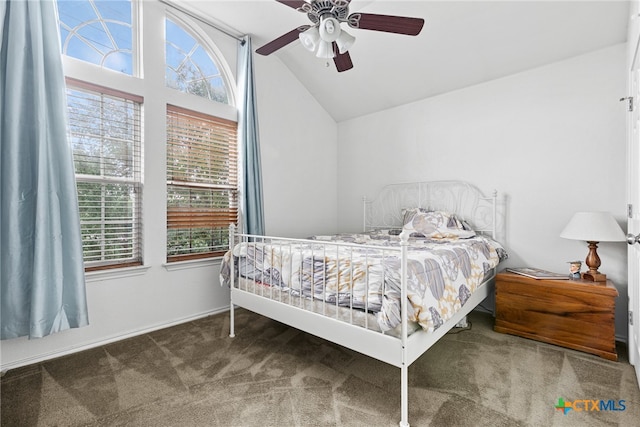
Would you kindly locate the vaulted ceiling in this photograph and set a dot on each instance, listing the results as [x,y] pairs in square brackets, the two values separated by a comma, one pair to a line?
[462,43]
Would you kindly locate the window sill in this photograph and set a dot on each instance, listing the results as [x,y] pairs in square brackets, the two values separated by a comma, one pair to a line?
[196,263]
[115,273]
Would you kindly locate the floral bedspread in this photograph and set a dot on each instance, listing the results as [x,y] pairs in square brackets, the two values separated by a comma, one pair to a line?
[442,273]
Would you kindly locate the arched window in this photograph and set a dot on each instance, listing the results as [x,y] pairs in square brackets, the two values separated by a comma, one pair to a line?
[99,32]
[189,67]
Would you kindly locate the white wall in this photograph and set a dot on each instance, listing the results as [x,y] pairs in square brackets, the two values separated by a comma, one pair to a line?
[551,139]
[299,151]
[298,142]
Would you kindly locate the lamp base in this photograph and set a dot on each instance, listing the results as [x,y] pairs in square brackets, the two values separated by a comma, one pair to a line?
[594,277]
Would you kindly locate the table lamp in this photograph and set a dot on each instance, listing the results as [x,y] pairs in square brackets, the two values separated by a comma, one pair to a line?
[593,227]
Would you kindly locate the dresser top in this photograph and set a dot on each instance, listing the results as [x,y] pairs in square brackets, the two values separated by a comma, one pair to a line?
[604,288]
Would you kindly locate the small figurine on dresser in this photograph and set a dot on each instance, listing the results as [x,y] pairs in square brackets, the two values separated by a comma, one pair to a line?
[574,269]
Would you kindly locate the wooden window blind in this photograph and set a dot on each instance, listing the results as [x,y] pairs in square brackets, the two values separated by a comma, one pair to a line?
[105,134]
[202,196]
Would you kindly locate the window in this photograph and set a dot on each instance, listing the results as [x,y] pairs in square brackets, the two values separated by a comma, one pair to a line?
[99,32]
[201,184]
[114,132]
[189,68]
[105,136]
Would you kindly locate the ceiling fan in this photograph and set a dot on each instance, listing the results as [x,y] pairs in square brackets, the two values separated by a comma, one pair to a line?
[327,39]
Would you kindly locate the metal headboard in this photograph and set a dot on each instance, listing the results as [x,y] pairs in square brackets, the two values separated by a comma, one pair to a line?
[459,197]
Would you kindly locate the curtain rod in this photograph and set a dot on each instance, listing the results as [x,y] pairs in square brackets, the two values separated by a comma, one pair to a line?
[201,19]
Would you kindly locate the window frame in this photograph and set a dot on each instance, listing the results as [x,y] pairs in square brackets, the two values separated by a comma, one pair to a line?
[137,218]
[150,39]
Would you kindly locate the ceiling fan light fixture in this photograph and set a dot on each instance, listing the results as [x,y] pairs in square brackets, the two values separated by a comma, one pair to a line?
[345,41]
[329,29]
[310,39]
[325,50]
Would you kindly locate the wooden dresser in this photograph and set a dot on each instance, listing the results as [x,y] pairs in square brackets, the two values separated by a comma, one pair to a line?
[576,314]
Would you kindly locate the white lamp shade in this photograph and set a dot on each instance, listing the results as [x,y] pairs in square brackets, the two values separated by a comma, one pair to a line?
[310,39]
[593,227]
[329,29]
[345,41]
[325,50]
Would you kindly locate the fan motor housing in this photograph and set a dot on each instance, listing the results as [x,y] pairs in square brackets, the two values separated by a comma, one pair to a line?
[338,9]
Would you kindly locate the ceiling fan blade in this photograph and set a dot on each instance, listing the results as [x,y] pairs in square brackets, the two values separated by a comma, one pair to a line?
[282,41]
[386,23]
[296,4]
[342,60]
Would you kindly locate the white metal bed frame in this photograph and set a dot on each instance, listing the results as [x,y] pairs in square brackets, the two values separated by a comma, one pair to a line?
[385,211]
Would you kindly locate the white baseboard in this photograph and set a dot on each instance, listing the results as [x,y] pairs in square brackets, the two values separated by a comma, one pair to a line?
[87,346]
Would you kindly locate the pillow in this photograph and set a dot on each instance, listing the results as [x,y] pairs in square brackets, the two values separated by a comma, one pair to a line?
[436,225]
[408,214]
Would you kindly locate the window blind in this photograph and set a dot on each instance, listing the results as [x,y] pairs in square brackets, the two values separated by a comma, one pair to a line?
[105,134]
[202,199]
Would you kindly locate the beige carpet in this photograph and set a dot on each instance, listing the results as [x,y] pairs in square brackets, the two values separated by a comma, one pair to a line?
[272,375]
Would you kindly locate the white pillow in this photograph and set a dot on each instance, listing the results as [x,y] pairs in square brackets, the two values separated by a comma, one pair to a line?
[436,225]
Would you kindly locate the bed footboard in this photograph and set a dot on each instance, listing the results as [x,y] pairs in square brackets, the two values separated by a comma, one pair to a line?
[333,289]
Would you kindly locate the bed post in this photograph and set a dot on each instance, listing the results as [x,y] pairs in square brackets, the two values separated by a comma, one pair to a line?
[494,200]
[404,369]
[364,214]
[232,233]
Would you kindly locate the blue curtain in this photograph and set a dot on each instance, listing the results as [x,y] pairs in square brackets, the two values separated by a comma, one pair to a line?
[41,265]
[251,203]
